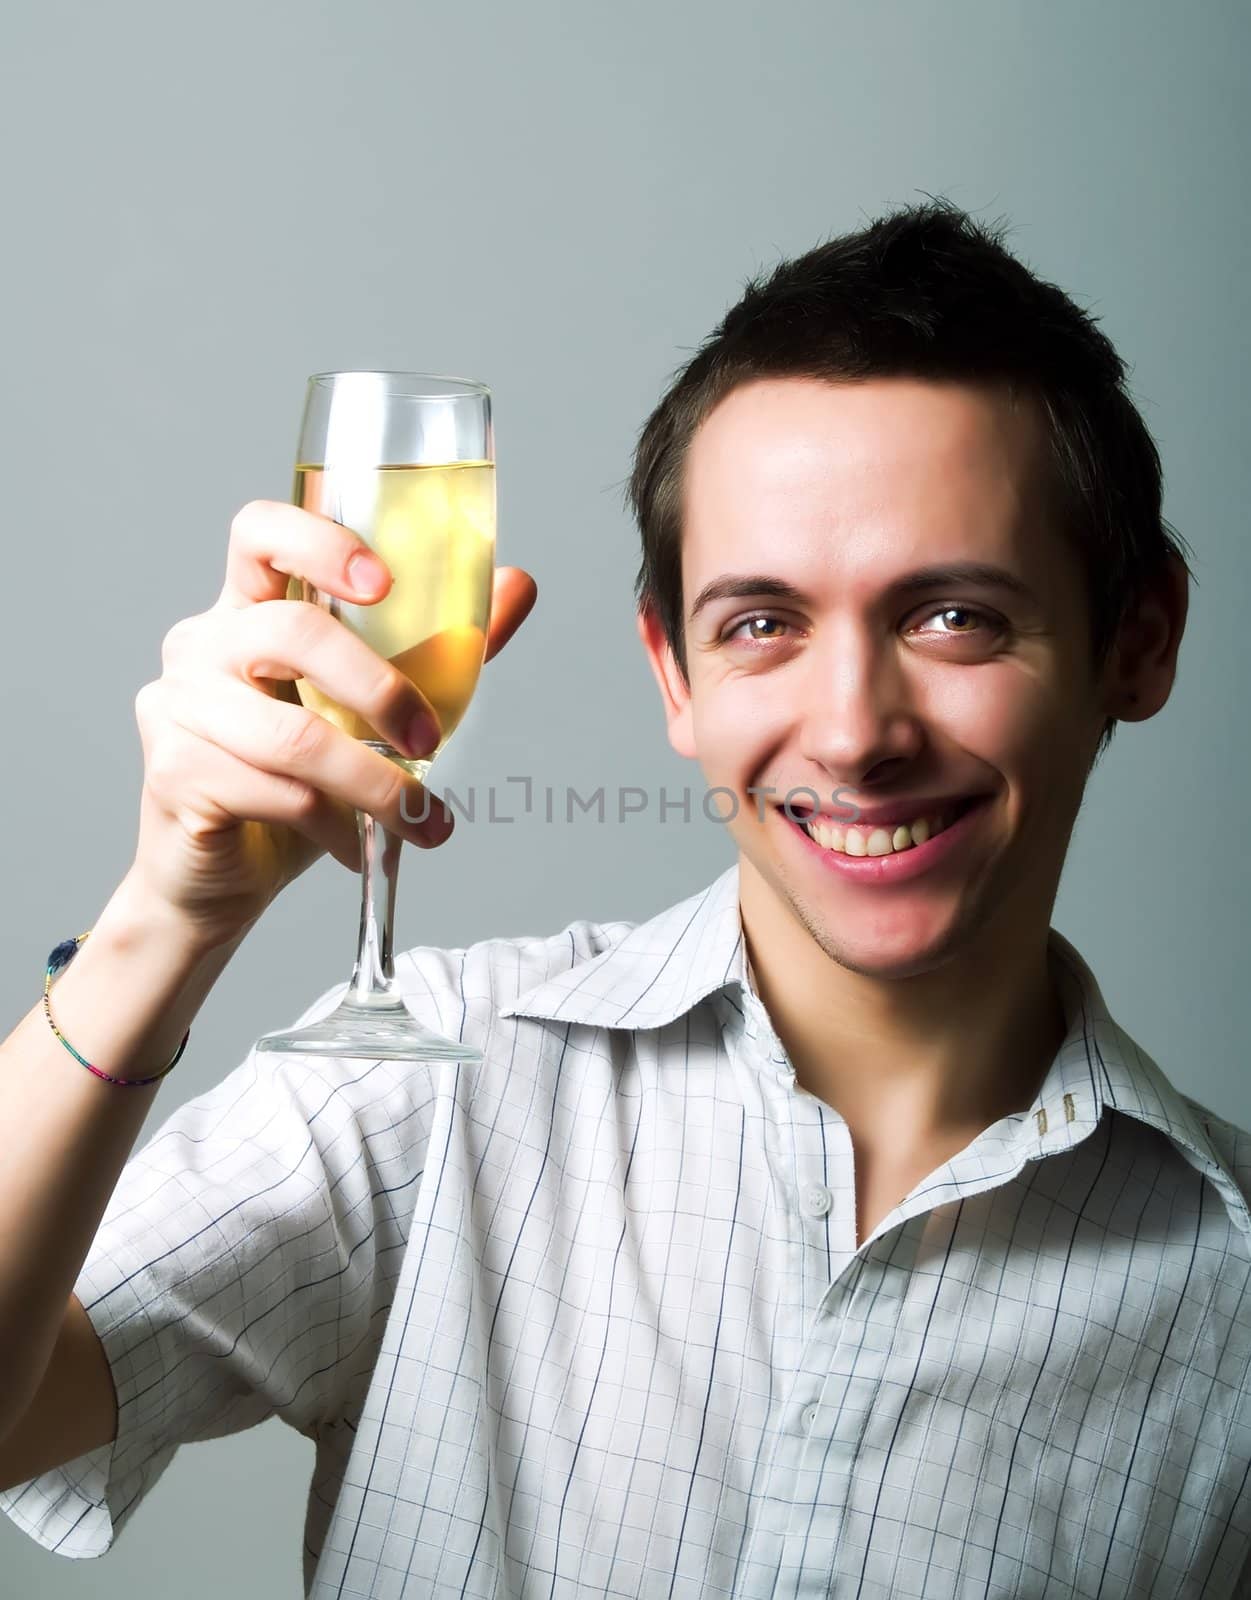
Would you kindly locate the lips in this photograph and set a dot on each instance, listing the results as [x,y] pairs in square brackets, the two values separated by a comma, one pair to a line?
[894,867]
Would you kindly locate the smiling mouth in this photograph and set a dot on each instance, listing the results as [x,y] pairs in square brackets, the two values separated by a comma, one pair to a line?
[862,839]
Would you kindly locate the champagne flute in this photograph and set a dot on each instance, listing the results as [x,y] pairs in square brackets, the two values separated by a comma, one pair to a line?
[407,462]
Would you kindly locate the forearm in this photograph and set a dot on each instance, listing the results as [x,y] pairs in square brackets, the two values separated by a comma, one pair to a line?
[125,1003]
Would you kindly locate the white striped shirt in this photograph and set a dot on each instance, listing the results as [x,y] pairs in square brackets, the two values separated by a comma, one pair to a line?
[591,1320]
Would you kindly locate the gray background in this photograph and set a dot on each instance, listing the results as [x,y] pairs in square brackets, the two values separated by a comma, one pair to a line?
[203,205]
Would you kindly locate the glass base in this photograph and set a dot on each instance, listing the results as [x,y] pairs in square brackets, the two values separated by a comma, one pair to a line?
[373,1033]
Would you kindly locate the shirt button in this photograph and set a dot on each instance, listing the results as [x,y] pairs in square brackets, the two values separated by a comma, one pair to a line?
[785,1077]
[810,1418]
[818,1200]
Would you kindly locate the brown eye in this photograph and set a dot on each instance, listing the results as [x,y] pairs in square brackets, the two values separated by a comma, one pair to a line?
[968,620]
[751,624]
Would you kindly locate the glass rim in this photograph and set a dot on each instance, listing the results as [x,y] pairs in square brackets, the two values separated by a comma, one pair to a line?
[458,386]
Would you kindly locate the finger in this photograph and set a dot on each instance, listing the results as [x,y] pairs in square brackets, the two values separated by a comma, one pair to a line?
[192,777]
[512,600]
[279,640]
[277,737]
[207,788]
[271,542]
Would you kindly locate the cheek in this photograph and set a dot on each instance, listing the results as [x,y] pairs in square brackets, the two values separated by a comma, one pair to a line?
[735,728]
[1033,737]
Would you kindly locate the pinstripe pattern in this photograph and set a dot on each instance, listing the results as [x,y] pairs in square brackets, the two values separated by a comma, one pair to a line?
[590,1319]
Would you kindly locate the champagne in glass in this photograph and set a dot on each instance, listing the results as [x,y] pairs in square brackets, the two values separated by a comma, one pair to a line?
[407,462]
[434,526]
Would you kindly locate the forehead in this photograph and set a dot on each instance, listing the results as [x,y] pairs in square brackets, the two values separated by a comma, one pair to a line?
[890,468]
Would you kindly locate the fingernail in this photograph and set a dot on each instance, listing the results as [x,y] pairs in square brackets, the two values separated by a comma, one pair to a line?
[422,736]
[438,824]
[366,573]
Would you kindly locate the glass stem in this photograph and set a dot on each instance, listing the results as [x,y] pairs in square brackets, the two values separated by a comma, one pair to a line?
[373,985]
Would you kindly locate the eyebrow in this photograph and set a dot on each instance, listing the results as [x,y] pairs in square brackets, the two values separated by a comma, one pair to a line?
[944,575]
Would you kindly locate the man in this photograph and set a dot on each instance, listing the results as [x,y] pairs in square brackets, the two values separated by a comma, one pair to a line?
[823,1234]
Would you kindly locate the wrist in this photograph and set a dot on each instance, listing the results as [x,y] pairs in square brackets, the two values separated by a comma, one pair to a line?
[136,917]
[125,1001]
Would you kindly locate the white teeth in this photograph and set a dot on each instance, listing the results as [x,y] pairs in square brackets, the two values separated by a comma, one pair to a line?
[860,841]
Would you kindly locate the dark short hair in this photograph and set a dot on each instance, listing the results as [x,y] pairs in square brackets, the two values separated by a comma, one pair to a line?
[926,292]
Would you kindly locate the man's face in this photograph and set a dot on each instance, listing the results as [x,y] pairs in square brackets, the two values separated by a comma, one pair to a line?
[883,693]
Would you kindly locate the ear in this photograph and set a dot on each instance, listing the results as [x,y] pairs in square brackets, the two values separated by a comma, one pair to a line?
[674,691]
[1142,664]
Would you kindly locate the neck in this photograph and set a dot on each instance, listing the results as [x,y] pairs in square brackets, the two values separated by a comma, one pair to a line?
[917,1062]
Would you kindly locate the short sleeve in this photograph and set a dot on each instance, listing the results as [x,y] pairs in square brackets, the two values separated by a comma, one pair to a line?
[244,1268]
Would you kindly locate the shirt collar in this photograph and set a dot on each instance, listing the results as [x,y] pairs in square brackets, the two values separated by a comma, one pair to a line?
[656,972]
[661,968]
[1100,1065]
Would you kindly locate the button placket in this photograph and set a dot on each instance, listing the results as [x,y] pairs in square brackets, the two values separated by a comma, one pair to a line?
[779,1061]
[822,1439]
[758,1031]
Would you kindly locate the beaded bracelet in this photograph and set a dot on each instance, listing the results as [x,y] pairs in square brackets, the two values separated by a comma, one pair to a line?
[60,958]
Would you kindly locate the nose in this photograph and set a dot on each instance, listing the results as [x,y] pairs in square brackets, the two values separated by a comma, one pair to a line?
[857,714]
